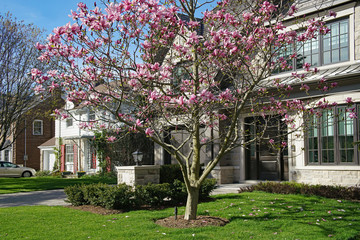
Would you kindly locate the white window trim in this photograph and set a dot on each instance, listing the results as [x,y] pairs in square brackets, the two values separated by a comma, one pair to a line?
[41,130]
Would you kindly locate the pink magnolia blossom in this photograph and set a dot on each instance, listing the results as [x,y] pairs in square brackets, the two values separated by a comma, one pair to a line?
[149,132]
[111,139]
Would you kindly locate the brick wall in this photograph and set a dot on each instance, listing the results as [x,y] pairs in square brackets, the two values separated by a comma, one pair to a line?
[41,112]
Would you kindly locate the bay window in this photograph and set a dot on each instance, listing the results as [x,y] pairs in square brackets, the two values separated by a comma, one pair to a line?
[331,139]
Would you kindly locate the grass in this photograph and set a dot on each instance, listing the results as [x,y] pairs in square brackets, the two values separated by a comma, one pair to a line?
[14,185]
[252,215]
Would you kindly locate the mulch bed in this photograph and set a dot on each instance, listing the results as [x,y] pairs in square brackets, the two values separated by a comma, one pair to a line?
[170,222]
[201,221]
[96,209]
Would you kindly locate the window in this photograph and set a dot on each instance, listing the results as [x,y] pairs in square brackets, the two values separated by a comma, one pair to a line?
[336,43]
[180,73]
[7,155]
[325,49]
[38,127]
[331,138]
[92,115]
[69,122]
[69,153]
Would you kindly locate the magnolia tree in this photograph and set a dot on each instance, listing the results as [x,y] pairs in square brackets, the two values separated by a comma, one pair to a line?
[177,72]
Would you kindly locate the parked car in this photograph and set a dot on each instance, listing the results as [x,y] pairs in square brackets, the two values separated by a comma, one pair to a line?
[8,169]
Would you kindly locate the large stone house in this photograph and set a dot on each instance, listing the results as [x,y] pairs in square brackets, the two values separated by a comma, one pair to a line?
[326,152]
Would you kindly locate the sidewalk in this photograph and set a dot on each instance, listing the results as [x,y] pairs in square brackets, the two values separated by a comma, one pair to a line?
[230,188]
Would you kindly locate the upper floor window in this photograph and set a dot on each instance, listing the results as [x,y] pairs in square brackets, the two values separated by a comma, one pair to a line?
[38,127]
[331,138]
[92,115]
[180,73]
[323,50]
[69,122]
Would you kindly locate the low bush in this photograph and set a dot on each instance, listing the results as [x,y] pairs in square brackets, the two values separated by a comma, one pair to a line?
[75,195]
[125,197]
[117,197]
[94,193]
[337,192]
[178,192]
[43,173]
[169,173]
[152,194]
[206,188]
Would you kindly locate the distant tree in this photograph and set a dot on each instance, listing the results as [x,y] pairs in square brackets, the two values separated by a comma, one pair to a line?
[18,56]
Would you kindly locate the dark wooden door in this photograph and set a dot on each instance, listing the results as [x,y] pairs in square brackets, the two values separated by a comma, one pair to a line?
[264,162]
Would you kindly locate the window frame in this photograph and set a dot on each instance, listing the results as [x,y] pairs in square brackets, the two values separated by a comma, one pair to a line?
[41,127]
[336,150]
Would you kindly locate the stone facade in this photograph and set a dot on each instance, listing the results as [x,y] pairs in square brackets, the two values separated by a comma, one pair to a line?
[357,31]
[138,175]
[327,177]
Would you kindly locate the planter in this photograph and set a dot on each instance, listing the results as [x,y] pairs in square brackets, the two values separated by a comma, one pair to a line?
[64,174]
[80,174]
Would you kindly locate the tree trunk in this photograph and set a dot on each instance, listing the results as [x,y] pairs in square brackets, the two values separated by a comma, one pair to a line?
[192,203]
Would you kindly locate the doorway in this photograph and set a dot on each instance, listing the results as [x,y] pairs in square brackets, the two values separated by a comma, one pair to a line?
[264,161]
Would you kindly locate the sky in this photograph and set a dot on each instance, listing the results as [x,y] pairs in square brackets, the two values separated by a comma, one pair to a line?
[45,14]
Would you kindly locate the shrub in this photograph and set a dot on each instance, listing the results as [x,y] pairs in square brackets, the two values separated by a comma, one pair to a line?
[75,195]
[349,193]
[206,188]
[178,192]
[93,193]
[125,197]
[152,194]
[43,173]
[116,197]
[169,173]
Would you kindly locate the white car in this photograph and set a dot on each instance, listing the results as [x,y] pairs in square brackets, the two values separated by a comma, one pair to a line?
[8,169]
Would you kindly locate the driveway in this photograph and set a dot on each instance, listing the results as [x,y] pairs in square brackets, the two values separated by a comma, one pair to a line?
[49,197]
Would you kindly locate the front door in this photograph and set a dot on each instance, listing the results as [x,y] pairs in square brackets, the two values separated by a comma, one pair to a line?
[263,160]
[268,156]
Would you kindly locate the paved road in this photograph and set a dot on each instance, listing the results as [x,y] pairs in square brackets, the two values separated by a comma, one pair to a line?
[49,197]
[57,197]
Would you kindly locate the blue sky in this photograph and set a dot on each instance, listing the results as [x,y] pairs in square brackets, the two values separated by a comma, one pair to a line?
[46,14]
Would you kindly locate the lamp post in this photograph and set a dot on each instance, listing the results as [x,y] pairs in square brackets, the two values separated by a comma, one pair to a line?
[137,155]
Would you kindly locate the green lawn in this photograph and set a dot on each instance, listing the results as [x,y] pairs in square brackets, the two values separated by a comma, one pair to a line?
[13,185]
[255,215]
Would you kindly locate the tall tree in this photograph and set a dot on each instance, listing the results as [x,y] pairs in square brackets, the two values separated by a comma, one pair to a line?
[18,56]
[181,73]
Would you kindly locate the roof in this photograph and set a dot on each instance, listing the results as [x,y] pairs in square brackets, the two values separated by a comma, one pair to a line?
[49,143]
[327,73]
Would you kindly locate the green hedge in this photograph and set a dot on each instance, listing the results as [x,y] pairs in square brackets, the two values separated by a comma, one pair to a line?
[125,197]
[338,192]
